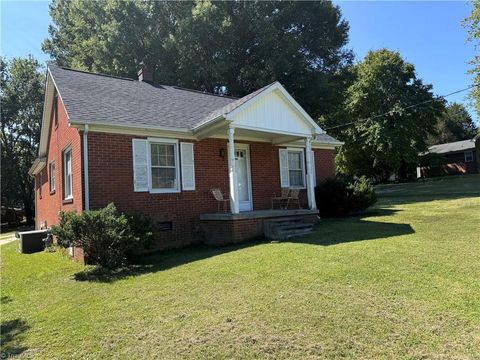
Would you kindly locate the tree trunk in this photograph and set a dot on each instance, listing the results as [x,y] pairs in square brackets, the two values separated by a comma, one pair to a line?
[28,206]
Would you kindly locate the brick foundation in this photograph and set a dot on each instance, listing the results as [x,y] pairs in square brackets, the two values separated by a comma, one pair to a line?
[222,232]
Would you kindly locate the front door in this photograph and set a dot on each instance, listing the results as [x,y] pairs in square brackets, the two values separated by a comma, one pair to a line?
[242,164]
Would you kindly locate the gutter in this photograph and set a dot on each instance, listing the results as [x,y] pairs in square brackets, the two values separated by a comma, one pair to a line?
[85,168]
[37,166]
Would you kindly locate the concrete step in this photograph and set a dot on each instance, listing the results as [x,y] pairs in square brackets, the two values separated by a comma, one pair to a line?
[281,229]
[294,226]
[292,219]
[295,233]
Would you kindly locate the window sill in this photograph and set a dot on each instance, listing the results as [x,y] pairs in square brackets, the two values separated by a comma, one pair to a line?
[164,191]
[52,192]
[67,201]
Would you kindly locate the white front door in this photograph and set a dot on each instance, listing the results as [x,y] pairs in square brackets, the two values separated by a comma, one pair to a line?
[242,165]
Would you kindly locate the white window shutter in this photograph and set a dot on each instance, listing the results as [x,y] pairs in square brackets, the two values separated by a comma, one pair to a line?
[188,166]
[284,177]
[140,164]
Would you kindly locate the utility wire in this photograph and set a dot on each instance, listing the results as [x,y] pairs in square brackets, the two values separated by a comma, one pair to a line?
[405,108]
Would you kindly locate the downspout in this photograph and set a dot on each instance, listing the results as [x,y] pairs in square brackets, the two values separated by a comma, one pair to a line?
[85,168]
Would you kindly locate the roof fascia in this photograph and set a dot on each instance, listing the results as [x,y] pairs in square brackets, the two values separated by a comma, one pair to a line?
[133,129]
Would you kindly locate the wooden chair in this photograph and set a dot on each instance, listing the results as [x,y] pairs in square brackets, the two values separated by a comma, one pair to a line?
[217,194]
[282,198]
[293,197]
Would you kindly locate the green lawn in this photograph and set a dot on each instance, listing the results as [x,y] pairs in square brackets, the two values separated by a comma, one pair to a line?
[400,282]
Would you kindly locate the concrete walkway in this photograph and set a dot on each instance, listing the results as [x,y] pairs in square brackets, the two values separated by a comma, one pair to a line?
[7,238]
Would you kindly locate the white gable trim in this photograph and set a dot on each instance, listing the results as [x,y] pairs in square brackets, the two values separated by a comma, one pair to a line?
[50,88]
[289,100]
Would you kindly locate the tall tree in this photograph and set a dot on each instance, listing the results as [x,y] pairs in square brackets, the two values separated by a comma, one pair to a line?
[233,47]
[22,91]
[472,23]
[454,124]
[380,145]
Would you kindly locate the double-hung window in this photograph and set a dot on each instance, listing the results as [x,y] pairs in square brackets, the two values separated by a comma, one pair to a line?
[52,176]
[295,168]
[163,166]
[292,168]
[468,156]
[67,174]
[157,166]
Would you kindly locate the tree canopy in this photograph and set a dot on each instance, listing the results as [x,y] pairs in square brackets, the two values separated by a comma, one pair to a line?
[454,124]
[473,25]
[386,85]
[234,47]
[22,90]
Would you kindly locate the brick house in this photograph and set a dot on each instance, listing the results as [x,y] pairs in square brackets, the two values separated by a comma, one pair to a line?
[459,157]
[160,150]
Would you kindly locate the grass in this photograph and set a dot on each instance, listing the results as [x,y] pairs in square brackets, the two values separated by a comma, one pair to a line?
[399,282]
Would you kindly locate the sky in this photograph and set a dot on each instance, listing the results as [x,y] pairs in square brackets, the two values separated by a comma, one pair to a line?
[427,34]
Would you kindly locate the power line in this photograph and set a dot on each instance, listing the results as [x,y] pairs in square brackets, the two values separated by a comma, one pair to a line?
[405,108]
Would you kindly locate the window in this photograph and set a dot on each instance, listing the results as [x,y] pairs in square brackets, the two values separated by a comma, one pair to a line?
[67,174]
[164,166]
[295,168]
[468,156]
[292,168]
[156,165]
[52,176]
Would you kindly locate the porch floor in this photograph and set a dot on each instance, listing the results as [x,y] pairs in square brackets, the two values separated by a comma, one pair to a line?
[257,214]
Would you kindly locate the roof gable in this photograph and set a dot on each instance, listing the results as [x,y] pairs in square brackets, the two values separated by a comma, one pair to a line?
[273,109]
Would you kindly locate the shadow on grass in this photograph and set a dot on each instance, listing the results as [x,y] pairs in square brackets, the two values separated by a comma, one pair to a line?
[160,261]
[11,337]
[328,232]
[338,231]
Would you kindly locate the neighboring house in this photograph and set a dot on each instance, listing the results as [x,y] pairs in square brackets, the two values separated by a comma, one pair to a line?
[459,157]
[160,150]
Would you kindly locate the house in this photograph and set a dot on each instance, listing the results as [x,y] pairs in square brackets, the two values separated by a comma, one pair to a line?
[459,157]
[160,150]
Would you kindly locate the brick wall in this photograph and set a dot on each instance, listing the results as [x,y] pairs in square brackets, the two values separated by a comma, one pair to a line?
[455,164]
[111,180]
[61,136]
[324,164]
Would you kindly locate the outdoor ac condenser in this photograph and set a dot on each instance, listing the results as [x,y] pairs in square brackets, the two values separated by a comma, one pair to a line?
[31,241]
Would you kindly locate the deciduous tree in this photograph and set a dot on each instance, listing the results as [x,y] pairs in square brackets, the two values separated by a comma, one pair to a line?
[232,47]
[386,134]
[454,124]
[22,90]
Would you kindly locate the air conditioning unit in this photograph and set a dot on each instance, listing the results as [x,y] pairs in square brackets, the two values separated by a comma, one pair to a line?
[31,241]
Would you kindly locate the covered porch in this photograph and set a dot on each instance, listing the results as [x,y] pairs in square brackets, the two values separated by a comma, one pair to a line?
[271,116]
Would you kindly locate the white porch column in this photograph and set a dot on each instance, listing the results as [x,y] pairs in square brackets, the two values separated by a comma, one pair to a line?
[310,189]
[232,173]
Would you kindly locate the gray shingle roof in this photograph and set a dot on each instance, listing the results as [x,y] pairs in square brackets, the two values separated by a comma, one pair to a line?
[101,98]
[98,98]
[452,147]
[327,139]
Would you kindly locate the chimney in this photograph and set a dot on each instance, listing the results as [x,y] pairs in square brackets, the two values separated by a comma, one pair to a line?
[145,75]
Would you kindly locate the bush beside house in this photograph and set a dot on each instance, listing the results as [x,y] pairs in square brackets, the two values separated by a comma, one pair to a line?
[107,236]
[343,196]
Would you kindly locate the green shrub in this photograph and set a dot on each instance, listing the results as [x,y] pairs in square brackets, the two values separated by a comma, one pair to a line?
[344,196]
[106,236]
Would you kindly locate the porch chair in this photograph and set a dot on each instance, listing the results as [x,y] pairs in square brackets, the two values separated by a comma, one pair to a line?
[217,194]
[293,197]
[282,198]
